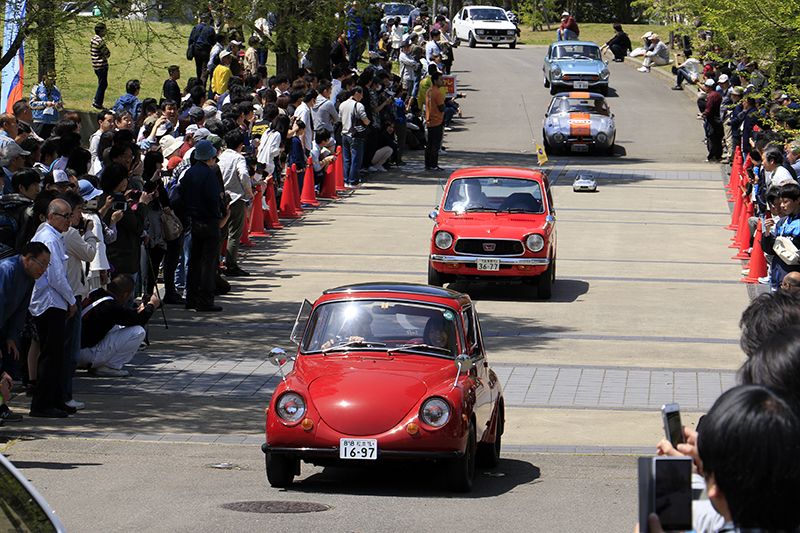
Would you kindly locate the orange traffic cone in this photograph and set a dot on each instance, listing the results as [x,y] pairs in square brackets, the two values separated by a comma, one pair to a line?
[288,209]
[737,211]
[271,220]
[308,196]
[298,207]
[758,263]
[328,189]
[735,170]
[737,238]
[744,233]
[339,170]
[257,216]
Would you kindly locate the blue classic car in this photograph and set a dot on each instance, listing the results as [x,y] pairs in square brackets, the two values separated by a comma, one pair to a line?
[579,122]
[575,65]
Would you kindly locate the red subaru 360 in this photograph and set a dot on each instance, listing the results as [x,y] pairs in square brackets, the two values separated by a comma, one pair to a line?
[495,224]
[386,371]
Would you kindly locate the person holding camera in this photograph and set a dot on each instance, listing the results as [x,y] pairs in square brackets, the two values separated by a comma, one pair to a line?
[112,332]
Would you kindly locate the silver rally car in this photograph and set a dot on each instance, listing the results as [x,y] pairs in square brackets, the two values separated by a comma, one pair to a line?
[579,122]
[575,66]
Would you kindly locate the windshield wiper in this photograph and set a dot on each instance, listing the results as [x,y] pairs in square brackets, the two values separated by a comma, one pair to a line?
[353,344]
[419,346]
[520,210]
[480,208]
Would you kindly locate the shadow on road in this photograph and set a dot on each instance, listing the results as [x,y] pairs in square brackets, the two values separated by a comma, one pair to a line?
[564,290]
[414,480]
[22,465]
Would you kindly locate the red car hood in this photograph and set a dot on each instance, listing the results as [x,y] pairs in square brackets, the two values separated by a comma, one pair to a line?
[500,225]
[373,393]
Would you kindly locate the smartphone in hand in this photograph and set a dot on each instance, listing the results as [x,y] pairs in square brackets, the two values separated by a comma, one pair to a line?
[671,416]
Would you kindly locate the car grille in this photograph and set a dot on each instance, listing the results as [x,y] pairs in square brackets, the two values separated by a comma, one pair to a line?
[581,77]
[494,32]
[501,247]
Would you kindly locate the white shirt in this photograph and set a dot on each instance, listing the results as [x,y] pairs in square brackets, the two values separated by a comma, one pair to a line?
[269,148]
[303,112]
[430,48]
[52,289]
[693,67]
[80,249]
[100,261]
[234,174]
[778,176]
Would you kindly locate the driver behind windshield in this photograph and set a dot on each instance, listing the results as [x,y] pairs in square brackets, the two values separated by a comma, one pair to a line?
[470,194]
[438,333]
[354,327]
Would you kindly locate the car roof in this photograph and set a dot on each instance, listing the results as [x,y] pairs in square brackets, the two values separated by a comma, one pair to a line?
[509,172]
[570,43]
[396,287]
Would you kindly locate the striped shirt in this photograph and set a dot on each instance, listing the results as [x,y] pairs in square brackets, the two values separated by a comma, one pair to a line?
[100,53]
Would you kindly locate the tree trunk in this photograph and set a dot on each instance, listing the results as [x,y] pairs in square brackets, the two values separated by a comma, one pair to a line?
[46,38]
[320,57]
[286,61]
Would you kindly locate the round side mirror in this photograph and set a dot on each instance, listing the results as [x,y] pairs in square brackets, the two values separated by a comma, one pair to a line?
[432,215]
[463,362]
[277,356]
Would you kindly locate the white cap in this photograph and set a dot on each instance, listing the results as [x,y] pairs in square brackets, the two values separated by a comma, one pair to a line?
[59,176]
[710,82]
[564,14]
[723,78]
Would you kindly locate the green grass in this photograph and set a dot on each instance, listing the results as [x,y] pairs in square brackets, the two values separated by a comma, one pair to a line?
[598,33]
[138,50]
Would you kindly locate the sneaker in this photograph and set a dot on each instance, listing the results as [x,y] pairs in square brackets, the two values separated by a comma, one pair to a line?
[442,151]
[677,88]
[97,106]
[746,272]
[448,128]
[373,169]
[235,272]
[76,404]
[618,60]
[643,69]
[6,415]
[764,280]
[105,371]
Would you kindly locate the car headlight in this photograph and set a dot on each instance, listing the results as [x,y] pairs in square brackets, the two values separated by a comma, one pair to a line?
[602,137]
[443,240]
[291,407]
[557,72]
[480,32]
[534,242]
[604,74]
[511,32]
[435,412]
[558,137]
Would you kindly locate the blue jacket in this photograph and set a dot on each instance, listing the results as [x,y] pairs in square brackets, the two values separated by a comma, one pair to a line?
[16,287]
[129,102]
[39,96]
[202,37]
[200,189]
[788,226]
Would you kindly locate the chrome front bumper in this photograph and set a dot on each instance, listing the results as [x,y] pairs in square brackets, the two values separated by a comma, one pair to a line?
[534,261]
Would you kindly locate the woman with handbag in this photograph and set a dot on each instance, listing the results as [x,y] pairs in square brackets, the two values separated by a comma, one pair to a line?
[784,239]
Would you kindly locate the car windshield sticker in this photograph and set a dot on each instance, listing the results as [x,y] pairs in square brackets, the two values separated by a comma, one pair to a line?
[448,315]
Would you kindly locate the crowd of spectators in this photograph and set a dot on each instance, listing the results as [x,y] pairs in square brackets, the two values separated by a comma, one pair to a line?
[166,186]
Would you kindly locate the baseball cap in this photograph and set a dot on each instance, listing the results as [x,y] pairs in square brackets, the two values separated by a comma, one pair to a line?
[723,78]
[196,113]
[224,53]
[710,82]
[60,176]
[201,133]
[163,129]
[191,129]
[564,14]
[12,149]
[647,35]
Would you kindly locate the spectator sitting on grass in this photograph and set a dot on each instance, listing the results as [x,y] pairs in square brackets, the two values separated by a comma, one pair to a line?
[659,55]
[689,70]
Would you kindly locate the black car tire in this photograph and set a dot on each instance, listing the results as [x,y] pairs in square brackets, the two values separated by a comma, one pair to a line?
[554,89]
[280,469]
[610,150]
[488,455]
[603,90]
[472,41]
[435,277]
[512,45]
[544,282]
[461,471]
[546,81]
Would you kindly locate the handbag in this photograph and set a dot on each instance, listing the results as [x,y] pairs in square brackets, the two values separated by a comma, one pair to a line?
[190,52]
[786,250]
[171,227]
[360,131]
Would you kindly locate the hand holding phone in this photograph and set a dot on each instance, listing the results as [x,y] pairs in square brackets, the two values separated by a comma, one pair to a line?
[671,416]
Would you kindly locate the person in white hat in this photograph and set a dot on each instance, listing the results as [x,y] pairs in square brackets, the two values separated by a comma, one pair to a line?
[659,55]
[222,73]
[569,28]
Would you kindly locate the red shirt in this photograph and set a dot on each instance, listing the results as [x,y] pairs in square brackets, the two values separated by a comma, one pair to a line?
[570,25]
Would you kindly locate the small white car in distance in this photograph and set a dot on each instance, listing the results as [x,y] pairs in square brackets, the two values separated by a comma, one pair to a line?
[584,182]
[484,25]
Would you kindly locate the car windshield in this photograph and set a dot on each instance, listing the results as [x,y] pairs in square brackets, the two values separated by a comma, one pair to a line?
[390,10]
[593,106]
[381,325]
[576,51]
[494,194]
[488,14]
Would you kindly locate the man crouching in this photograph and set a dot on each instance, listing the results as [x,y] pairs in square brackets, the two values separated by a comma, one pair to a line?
[111,332]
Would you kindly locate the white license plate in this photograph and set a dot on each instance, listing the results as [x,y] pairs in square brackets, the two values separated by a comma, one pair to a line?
[488,264]
[497,38]
[358,448]
[581,85]
[580,147]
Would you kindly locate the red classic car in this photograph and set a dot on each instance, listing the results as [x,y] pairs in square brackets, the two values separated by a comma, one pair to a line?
[386,371]
[496,224]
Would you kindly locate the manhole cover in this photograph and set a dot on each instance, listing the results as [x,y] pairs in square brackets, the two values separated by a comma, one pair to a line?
[276,507]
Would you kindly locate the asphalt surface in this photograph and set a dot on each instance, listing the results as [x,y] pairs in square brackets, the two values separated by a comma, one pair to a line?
[644,311]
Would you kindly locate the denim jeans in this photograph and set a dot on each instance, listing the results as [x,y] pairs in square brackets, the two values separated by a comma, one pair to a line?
[567,35]
[683,75]
[102,85]
[353,154]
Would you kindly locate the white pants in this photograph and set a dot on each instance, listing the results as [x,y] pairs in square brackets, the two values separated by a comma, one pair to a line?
[117,347]
[654,60]
[381,156]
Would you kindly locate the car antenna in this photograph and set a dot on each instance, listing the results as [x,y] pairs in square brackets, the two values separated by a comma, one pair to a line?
[541,156]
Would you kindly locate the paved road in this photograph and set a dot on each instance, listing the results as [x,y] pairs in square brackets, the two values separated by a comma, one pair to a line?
[644,311]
